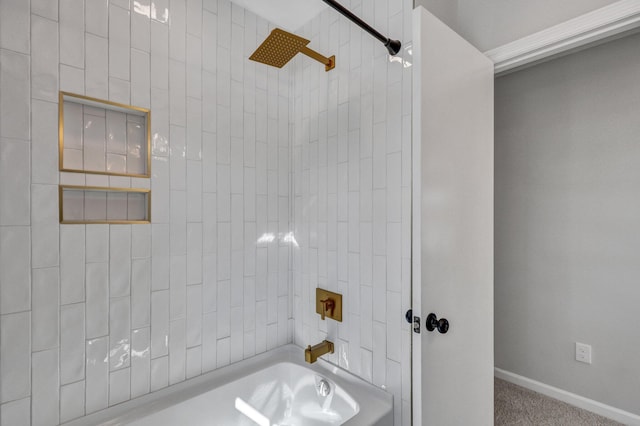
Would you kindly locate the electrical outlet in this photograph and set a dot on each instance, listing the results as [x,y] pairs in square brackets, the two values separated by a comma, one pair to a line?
[583,353]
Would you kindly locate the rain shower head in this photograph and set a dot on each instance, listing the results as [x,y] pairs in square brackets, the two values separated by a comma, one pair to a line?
[281,46]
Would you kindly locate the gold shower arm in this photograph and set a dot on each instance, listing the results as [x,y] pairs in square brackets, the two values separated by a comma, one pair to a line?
[329,63]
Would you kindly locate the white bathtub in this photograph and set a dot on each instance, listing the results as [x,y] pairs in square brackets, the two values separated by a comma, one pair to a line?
[275,389]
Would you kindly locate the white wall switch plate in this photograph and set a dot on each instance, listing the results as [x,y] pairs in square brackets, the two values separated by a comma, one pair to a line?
[583,353]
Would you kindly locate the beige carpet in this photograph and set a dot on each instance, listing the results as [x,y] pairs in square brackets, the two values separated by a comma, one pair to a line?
[515,405]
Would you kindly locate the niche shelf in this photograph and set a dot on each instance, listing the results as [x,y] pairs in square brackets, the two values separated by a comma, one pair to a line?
[93,205]
[103,137]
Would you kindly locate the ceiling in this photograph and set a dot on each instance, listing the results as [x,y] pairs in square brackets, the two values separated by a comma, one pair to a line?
[286,14]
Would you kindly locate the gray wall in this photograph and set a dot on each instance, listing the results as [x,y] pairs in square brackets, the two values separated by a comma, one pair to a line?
[567,222]
[491,23]
[445,10]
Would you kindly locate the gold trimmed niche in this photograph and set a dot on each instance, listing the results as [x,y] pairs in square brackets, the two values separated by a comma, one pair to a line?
[103,137]
[104,205]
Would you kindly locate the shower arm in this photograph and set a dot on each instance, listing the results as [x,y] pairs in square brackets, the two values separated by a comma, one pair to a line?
[329,63]
[393,46]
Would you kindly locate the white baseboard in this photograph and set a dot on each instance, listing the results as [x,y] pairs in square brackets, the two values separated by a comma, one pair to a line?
[570,398]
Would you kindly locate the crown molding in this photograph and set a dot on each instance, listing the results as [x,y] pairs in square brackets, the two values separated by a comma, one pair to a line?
[587,29]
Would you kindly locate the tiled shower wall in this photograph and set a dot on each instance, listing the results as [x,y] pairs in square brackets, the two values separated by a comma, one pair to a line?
[352,194]
[95,315]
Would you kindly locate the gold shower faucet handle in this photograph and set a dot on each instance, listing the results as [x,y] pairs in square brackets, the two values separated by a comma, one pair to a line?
[328,304]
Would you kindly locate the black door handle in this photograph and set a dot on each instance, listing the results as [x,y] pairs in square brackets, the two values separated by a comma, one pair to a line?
[441,324]
[413,320]
[409,316]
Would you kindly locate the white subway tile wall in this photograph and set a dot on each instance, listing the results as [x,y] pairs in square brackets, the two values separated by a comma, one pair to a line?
[15,412]
[351,171]
[93,315]
[265,183]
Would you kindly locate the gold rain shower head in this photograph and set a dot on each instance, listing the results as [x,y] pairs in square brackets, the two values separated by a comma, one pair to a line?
[281,46]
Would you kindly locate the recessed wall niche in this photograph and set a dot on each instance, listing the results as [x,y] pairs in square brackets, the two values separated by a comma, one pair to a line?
[87,205]
[103,137]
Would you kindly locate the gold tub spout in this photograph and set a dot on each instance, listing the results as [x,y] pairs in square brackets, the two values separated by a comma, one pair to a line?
[312,353]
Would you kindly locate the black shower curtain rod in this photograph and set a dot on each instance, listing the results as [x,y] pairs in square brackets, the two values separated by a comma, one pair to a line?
[393,46]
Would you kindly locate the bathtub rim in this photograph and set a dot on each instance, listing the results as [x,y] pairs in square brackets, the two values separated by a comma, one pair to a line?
[375,408]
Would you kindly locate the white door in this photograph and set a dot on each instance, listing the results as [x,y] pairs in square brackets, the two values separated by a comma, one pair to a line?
[452,227]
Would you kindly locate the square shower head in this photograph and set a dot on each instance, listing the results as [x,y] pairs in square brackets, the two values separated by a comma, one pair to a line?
[279,48]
